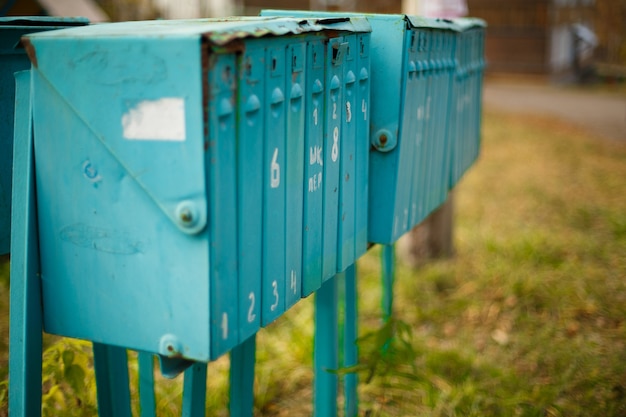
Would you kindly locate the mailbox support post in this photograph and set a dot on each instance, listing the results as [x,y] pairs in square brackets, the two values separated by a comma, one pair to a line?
[194,390]
[111,367]
[350,348]
[26,316]
[326,353]
[242,359]
[388,278]
[147,400]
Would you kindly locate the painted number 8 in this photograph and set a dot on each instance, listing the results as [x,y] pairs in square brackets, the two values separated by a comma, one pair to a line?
[335,149]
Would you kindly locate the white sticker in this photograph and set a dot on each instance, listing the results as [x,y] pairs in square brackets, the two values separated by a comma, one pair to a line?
[162,119]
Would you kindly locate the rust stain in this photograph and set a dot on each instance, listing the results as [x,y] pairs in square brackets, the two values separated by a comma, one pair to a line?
[383,140]
[30,50]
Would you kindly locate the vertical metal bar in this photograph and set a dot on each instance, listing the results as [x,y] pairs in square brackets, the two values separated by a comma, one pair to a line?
[325,350]
[113,391]
[242,359]
[146,384]
[194,390]
[26,315]
[350,348]
[387,257]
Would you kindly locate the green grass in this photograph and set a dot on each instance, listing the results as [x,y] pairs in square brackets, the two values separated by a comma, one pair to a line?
[528,319]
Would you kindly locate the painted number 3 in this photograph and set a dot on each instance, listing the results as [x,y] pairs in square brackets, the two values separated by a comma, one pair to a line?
[275,292]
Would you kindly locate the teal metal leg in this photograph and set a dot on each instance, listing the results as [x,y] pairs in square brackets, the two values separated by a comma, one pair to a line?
[26,314]
[388,278]
[242,359]
[326,350]
[146,384]
[111,366]
[350,348]
[194,390]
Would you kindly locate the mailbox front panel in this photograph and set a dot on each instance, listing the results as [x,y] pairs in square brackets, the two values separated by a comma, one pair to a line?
[115,268]
[295,69]
[362,146]
[335,53]
[274,216]
[222,181]
[179,210]
[314,166]
[251,117]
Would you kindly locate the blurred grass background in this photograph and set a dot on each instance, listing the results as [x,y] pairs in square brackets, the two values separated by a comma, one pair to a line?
[528,319]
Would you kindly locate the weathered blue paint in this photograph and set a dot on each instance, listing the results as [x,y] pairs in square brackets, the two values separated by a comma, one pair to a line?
[362,147]
[412,65]
[295,179]
[251,116]
[347,155]
[242,361]
[12,59]
[314,167]
[194,391]
[350,347]
[170,177]
[147,400]
[111,369]
[326,349]
[274,159]
[25,344]
[335,52]
[466,96]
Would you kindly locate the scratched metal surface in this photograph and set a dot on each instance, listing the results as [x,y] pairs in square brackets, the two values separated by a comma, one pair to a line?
[159,153]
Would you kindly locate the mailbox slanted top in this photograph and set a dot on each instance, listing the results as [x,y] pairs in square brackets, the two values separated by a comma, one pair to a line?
[466,23]
[217,31]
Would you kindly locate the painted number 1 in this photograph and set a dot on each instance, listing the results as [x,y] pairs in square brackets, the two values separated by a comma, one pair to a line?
[251,315]
[224,326]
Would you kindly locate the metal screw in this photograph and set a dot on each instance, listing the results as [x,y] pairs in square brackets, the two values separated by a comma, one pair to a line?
[186,216]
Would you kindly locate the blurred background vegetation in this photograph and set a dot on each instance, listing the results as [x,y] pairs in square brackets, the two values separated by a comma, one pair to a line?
[528,319]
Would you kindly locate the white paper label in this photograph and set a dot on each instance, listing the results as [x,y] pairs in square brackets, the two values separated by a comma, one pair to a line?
[162,119]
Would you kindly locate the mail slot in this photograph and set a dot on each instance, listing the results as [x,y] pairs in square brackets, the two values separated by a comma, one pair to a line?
[191,176]
[467,96]
[12,59]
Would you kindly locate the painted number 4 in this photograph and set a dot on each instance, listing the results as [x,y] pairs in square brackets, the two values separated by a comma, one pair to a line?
[294,283]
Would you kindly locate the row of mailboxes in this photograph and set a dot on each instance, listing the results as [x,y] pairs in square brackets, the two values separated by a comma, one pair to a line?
[12,59]
[466,97]
[417,144]
[196,178]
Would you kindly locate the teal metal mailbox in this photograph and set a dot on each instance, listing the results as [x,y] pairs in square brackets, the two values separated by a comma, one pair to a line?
[187,174]
[412,69]
[467,96]
[12,59]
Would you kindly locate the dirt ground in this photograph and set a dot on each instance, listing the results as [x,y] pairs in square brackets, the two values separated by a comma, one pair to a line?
[599,109]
